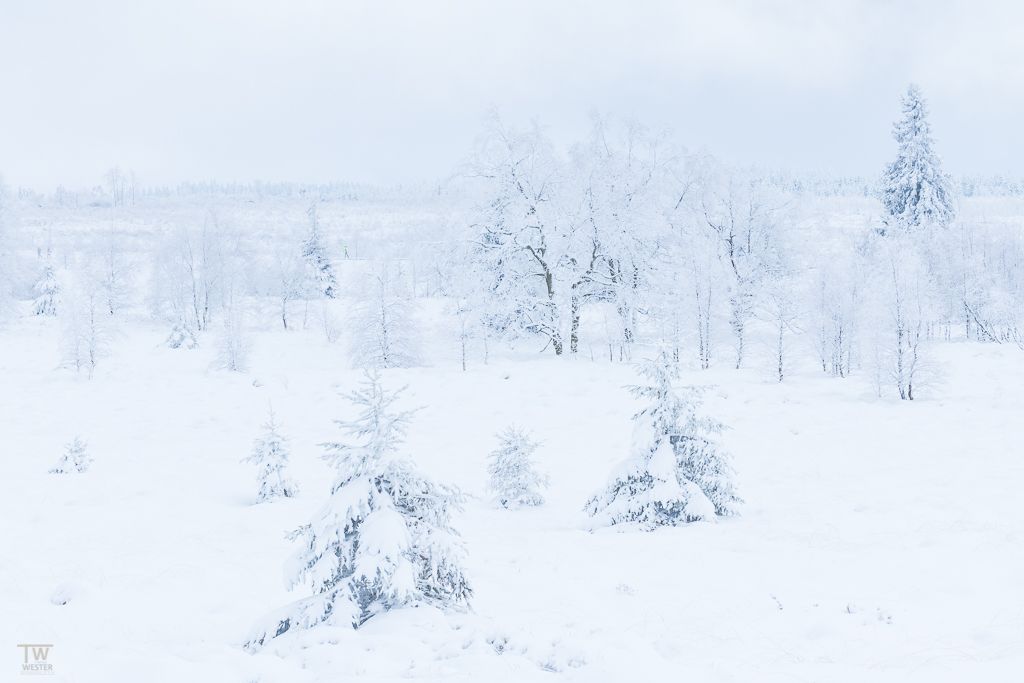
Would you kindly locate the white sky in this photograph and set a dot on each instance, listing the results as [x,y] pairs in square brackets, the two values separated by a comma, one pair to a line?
[382,91]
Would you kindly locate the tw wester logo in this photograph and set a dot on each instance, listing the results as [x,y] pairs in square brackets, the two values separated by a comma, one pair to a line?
[38,666]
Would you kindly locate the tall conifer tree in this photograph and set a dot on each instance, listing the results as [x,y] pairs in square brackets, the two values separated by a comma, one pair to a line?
[915,191]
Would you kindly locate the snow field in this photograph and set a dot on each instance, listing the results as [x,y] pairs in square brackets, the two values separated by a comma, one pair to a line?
[880,539]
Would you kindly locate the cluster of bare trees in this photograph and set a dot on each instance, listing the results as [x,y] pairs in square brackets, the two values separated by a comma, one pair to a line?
[123,186]
[632,238]
[630,230]
[621,240]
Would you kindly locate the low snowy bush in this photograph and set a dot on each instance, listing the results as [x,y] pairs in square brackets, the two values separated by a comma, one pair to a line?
[676,472]
[384,538]
[182,336]
[513,477]
[75,459]
[270,455]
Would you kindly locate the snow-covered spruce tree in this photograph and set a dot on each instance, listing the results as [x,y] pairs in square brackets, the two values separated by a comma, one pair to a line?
[49,289]
[320,280]
[514,481]
[270,455]
[915,191]
[384,538]
[75,459]
[676,472]
[383,331]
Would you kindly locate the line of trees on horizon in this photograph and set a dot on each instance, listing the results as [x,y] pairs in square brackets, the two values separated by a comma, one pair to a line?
[621,242]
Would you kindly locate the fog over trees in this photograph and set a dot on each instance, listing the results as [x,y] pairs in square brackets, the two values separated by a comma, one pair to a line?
[624,240]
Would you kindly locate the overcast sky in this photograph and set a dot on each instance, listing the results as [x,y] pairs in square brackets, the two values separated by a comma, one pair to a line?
[383,91]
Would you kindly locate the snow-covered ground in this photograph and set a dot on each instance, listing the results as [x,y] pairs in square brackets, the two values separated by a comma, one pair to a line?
[880,540]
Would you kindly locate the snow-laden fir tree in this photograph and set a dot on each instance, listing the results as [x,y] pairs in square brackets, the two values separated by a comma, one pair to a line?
[514,480]
[74,459]
[676,472]
[384,538]
[915,191]
[320,280]
[270,456]
[49,289]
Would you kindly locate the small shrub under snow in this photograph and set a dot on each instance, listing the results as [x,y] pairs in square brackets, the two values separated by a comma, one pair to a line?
[182,336]
[75,459]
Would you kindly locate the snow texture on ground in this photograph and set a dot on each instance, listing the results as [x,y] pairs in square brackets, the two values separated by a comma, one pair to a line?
[881,540]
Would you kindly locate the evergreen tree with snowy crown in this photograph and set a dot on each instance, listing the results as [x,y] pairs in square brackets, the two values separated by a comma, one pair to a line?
[75,459]
[48,288]
[915,191]
[384,538]
[320,276]
[676,472]
[270,455]
[513,477]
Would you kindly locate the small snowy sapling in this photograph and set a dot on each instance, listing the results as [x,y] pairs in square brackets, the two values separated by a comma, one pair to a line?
[49,290]
[675,472]
[75,459]
[270,455]
[513,477]
[383,540]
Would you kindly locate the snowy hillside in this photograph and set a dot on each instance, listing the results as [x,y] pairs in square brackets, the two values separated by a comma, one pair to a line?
[512,341]
[879,539]
[600,411]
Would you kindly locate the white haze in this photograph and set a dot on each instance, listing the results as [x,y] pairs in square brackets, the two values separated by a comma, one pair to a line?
[387,92]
